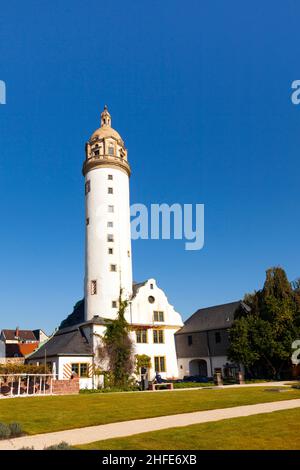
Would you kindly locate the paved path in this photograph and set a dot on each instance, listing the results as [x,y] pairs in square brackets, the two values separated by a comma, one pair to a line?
[128,428]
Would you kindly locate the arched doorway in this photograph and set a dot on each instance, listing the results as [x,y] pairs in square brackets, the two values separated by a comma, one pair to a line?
[198,367]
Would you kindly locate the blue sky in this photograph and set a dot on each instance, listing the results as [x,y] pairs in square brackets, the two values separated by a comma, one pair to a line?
[200,92]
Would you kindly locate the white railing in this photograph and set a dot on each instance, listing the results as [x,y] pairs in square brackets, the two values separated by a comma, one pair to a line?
[16,385]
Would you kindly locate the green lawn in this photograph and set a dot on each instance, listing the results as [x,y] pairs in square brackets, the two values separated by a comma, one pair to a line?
[278,430]
[46,414]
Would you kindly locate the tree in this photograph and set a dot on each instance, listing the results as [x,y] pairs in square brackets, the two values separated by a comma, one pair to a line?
[262,334]
[117,348]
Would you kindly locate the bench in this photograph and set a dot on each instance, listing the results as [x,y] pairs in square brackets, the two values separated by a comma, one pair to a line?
[155,386]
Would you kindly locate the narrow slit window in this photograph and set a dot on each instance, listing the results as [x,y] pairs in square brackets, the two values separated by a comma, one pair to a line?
[87,186]
[93,287]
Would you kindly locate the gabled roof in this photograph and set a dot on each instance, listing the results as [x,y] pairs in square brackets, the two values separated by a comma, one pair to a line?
[211,318]
[23,335]
[20,349]
[66,342]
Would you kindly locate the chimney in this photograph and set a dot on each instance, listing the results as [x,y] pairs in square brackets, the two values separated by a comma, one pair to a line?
[17,333]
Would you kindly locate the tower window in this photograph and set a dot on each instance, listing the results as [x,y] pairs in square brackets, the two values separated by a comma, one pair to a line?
[87,221]
[87,186]
[110,251]
[128,253]
[114,304]
[96,152]
[110,177]
[151,286]
[190,340]
[113,267]
[110,237]
[93,287]
[110,224]
[111,208]
[110,150]
[110,190]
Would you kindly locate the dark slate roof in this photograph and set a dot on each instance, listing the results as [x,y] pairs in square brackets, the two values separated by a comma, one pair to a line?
[211,318]
[23,335]
[136,286]
[66,342]
[76,317]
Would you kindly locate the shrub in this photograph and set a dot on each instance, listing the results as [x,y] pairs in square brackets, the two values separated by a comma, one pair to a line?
[4,431]
[61,446]
[23,369]
[15,429]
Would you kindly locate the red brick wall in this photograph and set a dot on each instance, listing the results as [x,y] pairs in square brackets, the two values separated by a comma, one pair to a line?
[65,387]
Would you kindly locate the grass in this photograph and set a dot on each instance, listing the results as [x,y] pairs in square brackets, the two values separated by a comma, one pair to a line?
[193,384]
[49,414]
[273,431]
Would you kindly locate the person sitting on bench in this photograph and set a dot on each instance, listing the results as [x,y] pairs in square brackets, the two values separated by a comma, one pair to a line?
[158,379]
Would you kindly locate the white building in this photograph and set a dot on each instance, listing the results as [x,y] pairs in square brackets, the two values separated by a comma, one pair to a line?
[108,271]
[203,342]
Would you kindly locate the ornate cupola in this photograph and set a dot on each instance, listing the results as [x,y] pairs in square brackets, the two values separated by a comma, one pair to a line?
[106,147]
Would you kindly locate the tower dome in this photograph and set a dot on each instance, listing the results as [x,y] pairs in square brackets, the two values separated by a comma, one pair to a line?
[106,147]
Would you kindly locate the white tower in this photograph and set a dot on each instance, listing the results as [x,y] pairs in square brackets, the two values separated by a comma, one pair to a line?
[108,265]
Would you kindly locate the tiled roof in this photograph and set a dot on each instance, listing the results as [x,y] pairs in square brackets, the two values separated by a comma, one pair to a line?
[20,349]
[23,335]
